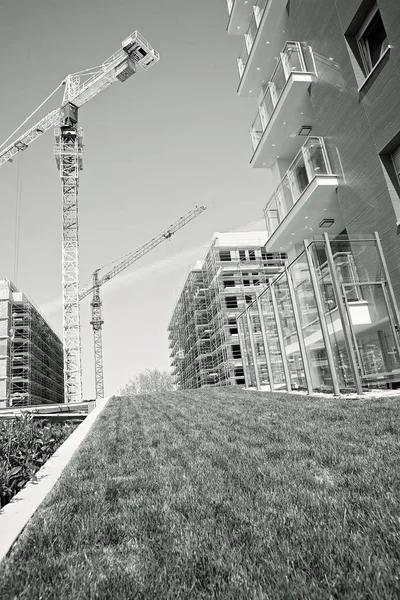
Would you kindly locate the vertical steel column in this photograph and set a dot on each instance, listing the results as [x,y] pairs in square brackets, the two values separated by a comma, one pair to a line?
[321,314]
[243,352]
[265,343]
[300,337]
[343,315]
[280,338]
[253,349]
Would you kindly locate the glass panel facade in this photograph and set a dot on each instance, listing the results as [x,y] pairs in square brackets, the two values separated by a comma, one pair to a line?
[247,356]
[259,345]
[311,326]
[344,301]
[274,350]
[289,333]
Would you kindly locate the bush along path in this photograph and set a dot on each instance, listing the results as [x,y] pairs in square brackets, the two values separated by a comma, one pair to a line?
[222,494]
[25,445]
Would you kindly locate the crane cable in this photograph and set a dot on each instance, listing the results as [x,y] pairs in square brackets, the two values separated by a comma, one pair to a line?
[17,218]
[31,115]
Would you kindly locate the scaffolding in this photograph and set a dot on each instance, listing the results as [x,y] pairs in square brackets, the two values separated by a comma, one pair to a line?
[204,337]
[234,274]
[189,335]
[31,354]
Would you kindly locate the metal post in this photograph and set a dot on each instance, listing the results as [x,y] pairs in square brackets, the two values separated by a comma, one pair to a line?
[242,343]
[321,314]
[297,321]
[253,349]
[265,343]
[343,316]
[280,338]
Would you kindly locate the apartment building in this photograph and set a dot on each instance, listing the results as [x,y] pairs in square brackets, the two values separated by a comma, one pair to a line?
[31,354]
[189,334]
[204,339]
[325,77]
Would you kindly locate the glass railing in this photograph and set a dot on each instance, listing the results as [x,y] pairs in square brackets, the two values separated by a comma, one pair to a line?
[311,160]
[251,34]
[230,4]
[293,59]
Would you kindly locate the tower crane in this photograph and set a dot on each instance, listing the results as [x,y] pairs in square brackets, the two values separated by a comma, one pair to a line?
[79,88]
[97,282]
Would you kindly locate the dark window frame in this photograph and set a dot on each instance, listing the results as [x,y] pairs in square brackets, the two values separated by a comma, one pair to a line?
[364,40]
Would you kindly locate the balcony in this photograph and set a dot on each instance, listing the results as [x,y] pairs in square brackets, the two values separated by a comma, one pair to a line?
[263,41]
[240,14]
[284,108]
[305,203]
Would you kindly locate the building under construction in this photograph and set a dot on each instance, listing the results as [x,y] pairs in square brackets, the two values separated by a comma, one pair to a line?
[31,354]
[204,341]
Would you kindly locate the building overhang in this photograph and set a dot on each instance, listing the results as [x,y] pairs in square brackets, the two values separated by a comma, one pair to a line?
[265,50]
[239,19]
[317,202]
[281,138]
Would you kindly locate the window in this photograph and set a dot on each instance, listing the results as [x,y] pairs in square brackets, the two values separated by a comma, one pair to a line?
[242,254]
[367,44]
[231,302]
[252,255]
[229,283]
[233,331]
[372,40]
[236,351]
[396,162]
[248,299]
[225,255]
[390,162]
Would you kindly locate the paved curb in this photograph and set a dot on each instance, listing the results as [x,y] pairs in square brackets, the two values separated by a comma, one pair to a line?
[15,515]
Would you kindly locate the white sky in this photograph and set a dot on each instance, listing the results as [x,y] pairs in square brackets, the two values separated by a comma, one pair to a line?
[156,146]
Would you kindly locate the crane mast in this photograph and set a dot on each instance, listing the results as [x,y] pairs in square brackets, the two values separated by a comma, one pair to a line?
[69,159]
[125,262]
[97,323]
[79,88]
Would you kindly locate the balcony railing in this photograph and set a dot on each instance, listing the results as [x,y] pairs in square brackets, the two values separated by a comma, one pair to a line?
[251,34]
[230,4]
[293,59]
[311,161]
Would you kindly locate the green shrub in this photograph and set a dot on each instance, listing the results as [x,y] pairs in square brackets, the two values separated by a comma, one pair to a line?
[25,445]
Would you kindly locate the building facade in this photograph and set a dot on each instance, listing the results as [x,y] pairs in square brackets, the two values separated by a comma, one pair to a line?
[204,340]
[326,78]
[31,354]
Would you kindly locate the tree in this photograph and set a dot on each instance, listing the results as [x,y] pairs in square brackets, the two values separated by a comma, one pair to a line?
[150,381]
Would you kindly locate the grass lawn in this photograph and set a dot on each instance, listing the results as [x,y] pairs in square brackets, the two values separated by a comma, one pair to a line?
[222,494]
